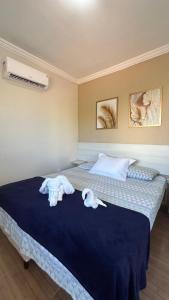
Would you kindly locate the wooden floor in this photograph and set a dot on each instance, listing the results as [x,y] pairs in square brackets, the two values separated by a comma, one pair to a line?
[33,284]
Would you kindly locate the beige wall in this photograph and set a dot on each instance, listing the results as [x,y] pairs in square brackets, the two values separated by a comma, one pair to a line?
[38,130]
[147,75]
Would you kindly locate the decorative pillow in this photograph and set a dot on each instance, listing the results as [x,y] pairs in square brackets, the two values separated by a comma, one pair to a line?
[131,160]
[87,166]
[142,173]
[112,167]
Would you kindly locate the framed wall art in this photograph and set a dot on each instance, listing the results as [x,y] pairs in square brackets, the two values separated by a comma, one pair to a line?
[145,108]
[106,113]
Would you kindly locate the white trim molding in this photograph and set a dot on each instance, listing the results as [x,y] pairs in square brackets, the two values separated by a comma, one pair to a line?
[121,66]
[127,63]
[153,156]
[34,59]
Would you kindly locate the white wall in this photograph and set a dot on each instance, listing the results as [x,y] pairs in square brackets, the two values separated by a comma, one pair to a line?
[38,130]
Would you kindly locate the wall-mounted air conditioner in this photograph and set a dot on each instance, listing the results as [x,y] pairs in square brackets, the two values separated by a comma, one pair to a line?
[22,73]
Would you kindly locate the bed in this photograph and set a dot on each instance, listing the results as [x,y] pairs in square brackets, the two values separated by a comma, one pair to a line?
[133,204]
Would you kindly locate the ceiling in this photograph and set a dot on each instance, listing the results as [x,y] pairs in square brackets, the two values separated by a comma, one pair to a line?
[82,37]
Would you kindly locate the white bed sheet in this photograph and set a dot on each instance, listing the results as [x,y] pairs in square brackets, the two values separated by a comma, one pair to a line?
[138,195]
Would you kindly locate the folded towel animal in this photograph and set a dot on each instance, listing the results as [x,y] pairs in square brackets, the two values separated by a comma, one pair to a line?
[56,188]
[90,200]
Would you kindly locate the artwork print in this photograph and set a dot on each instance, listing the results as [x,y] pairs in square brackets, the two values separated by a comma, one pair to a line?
[145,108]
[106,114]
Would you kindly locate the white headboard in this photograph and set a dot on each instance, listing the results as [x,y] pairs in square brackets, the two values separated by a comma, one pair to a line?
[153,156]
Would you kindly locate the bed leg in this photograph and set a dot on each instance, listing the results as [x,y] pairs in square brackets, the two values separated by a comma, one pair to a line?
[26,265]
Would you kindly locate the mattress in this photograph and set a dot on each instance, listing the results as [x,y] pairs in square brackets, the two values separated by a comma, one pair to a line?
[92,243]
[141,196]
[138,195]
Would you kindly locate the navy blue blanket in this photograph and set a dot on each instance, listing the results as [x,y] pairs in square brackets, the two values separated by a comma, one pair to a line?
[106,249]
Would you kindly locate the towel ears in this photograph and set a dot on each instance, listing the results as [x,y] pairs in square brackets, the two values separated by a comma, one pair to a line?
[43,186]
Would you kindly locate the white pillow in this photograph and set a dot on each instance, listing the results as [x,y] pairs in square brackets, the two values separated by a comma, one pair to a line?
[131,160]
[116,168]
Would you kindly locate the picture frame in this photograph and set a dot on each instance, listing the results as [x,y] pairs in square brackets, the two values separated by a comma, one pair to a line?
[107,113]
[145,108]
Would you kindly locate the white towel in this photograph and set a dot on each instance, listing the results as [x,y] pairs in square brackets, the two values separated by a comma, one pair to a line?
[90,200]
[56,188]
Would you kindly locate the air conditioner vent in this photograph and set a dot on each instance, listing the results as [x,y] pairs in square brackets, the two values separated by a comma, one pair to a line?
[14,70]
[26,81]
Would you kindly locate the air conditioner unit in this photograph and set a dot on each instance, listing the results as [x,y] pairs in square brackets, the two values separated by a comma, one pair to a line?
[22,73]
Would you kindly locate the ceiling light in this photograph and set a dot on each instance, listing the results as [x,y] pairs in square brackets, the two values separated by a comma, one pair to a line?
[79,4]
